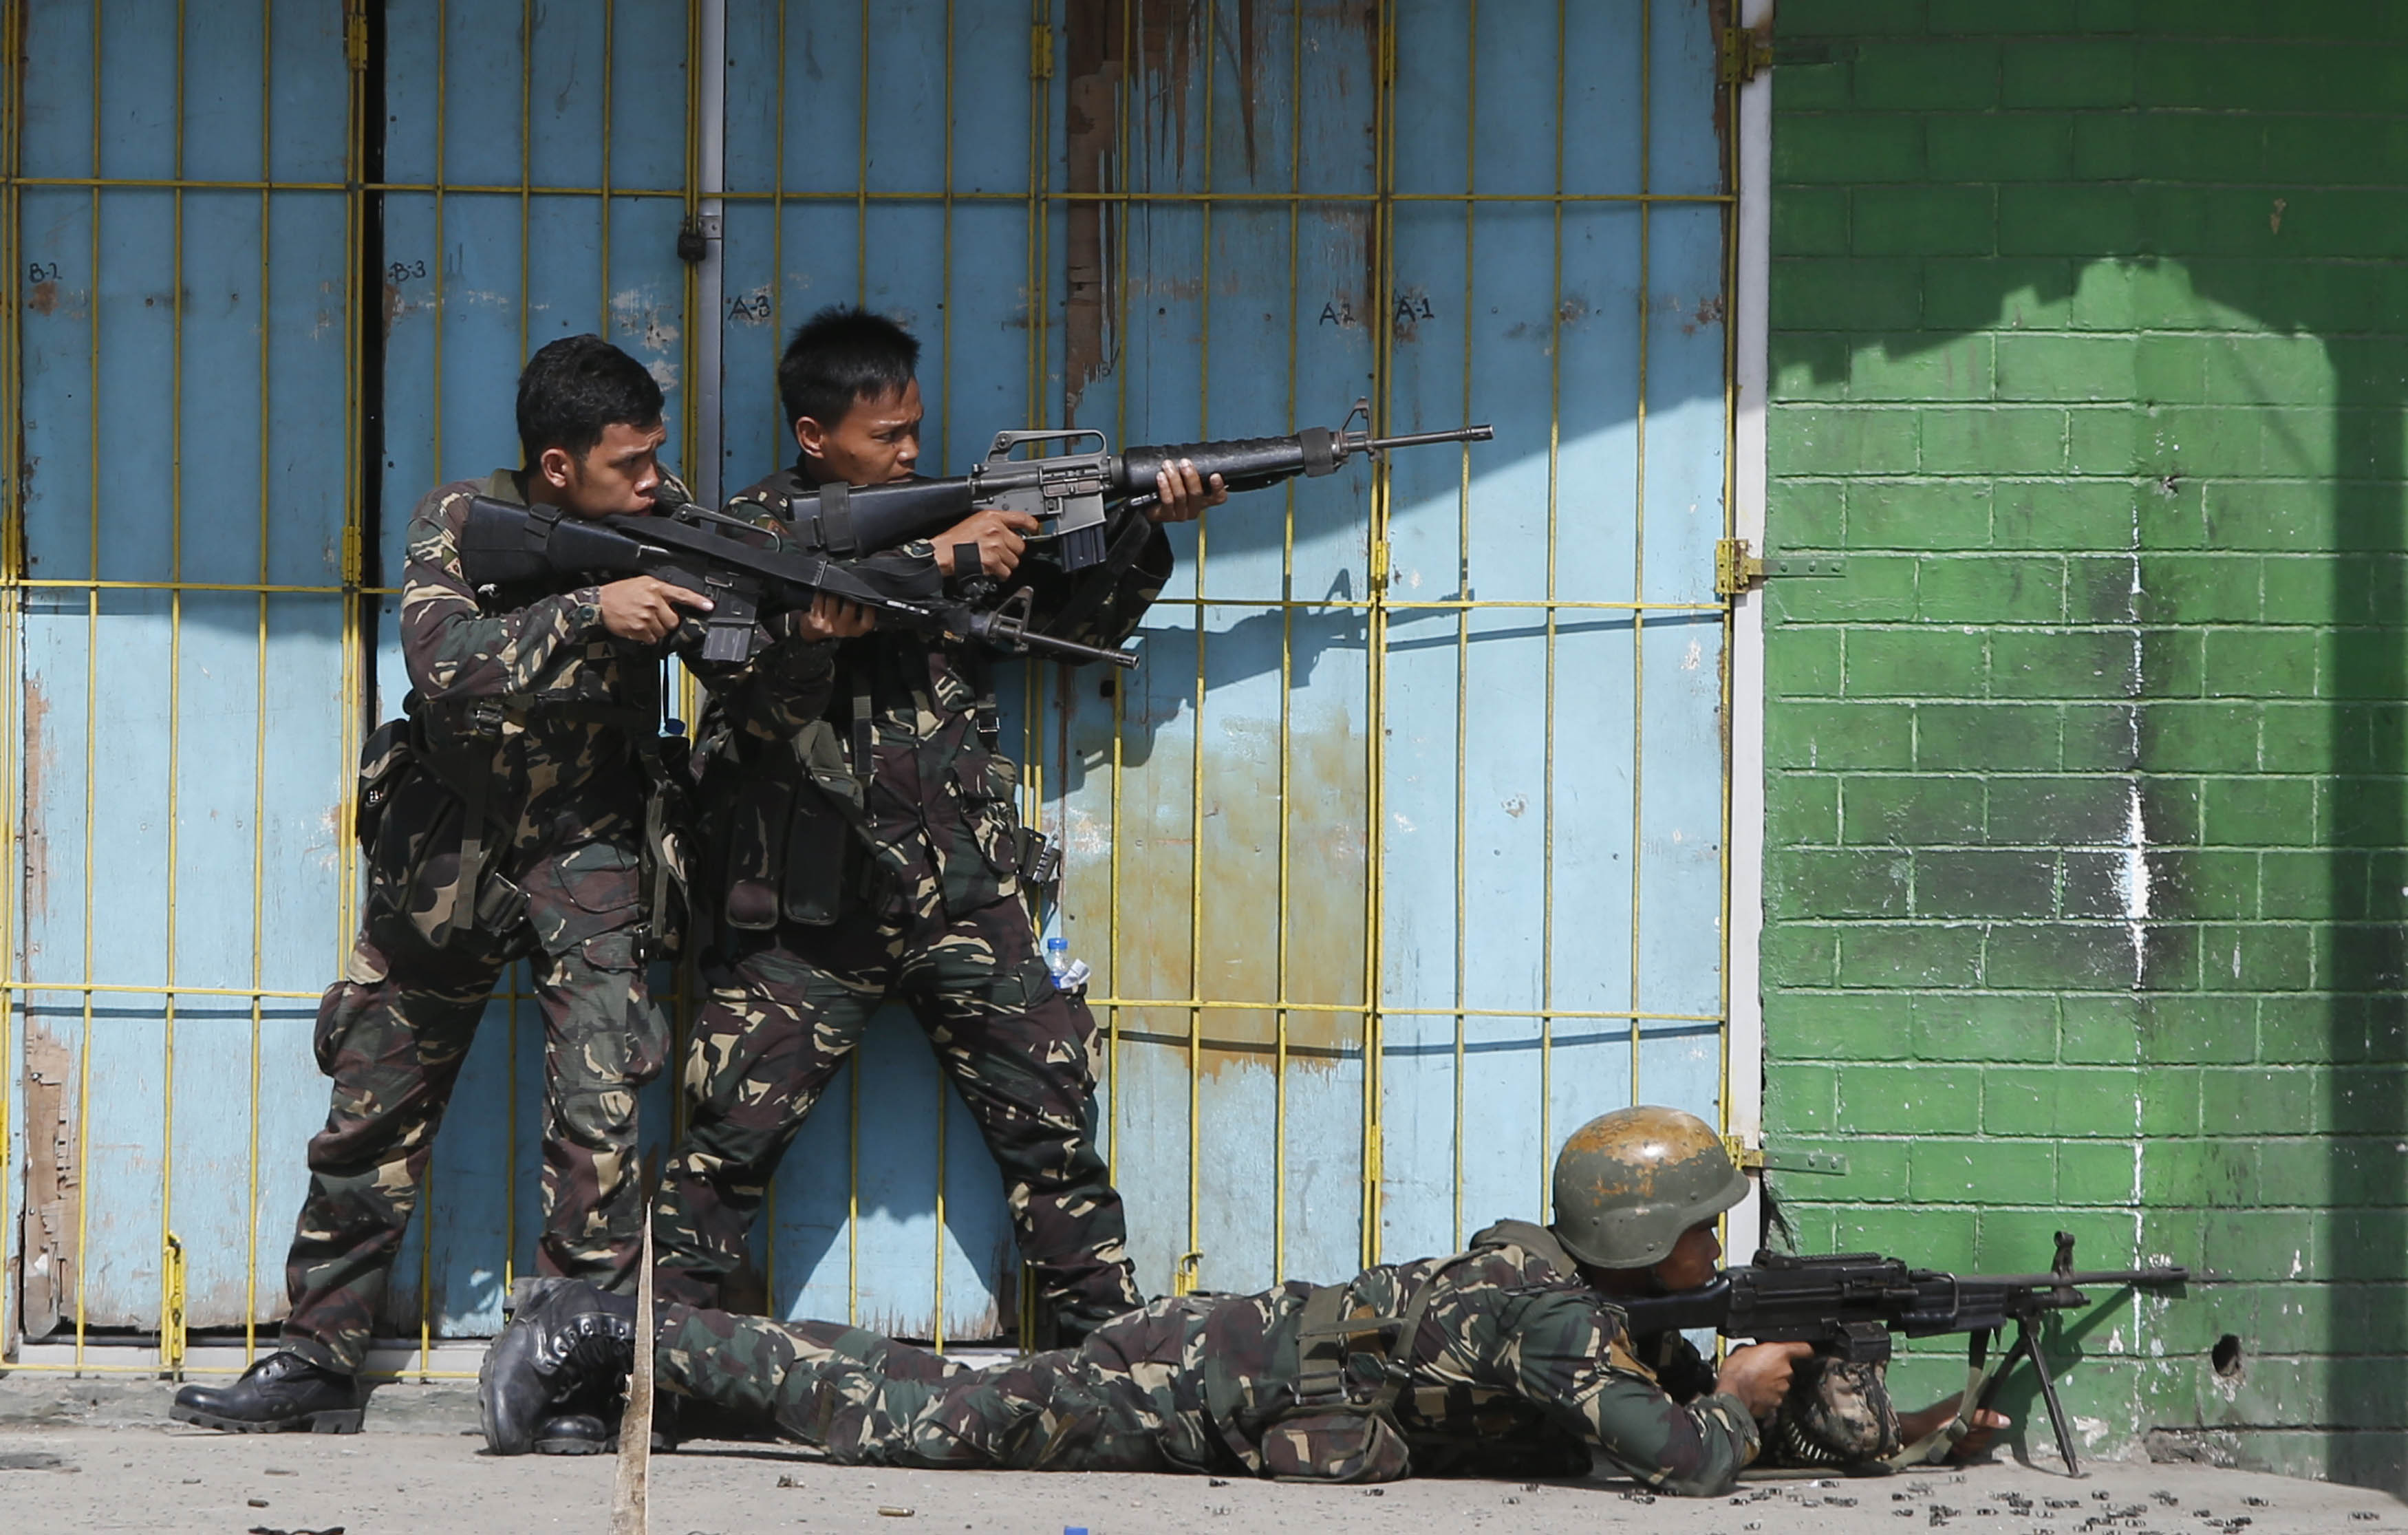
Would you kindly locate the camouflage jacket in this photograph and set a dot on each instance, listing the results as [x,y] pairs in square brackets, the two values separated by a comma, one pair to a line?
[1518,1368]
[935,811]
[527,684]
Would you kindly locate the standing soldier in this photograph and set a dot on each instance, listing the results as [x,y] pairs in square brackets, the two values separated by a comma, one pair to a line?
[1512,1359]
[864,844]
[504,818]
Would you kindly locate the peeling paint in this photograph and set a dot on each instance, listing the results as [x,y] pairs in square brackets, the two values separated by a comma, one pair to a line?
[635,312]
[38,752]
[329,852]
[53,1188]
[48,298]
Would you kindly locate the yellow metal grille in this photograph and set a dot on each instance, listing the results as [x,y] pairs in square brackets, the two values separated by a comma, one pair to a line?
[1379,606]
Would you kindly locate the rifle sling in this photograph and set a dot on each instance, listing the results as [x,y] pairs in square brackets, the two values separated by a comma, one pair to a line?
[832,525]
[1105,579]
[865,734]
[470,871]
[540,520]
[1934,1446]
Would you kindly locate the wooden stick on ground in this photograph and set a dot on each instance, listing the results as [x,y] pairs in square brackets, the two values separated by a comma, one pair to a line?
[636,1423]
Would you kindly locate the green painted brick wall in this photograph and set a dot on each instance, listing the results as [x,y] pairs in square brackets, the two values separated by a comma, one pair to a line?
[2087,828]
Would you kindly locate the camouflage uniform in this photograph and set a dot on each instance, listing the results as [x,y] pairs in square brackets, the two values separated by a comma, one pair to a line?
[835,892]
[528,712]
[1510,1365]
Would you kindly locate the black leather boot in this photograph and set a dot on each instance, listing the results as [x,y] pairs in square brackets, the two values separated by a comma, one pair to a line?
[282,1393]
[1068,1326]
[577,1342]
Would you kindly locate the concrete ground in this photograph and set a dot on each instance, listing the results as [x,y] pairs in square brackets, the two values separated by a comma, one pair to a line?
[104,1462]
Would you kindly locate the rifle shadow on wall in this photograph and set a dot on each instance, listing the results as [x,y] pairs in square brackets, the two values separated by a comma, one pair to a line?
[1299,641]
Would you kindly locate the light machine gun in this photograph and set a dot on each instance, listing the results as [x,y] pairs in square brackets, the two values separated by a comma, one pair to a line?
[748,572]
[1072,493]
[1847,1304]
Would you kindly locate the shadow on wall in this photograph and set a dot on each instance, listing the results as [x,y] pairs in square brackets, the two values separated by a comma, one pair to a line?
[2271,1145]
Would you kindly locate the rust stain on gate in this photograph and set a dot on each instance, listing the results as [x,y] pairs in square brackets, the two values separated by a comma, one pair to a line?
[1096,49]
[1274,855]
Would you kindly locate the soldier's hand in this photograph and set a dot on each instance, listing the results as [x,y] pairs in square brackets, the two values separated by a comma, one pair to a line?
[1182,495]
[1759,1374]
[1000,536]
[646,609]
[831,618]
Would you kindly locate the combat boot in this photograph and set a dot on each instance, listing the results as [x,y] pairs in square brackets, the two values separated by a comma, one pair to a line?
[577,1342]
[281,1393]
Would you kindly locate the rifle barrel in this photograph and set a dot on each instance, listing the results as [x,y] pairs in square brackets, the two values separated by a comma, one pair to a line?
[2084,1276]
[1069,649]
[1482,433]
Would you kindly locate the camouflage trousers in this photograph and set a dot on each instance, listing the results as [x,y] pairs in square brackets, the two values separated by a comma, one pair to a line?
[1130,1397]
[391,1033]
[784,1009]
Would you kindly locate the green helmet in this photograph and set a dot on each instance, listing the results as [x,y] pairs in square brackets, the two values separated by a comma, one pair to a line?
[1628,1184]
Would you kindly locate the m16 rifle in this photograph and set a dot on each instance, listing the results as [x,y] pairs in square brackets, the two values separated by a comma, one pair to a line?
[1847,1304]
[750,573]
[1072,493]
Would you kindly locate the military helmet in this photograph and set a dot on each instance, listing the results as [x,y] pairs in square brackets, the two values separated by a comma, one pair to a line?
[1628,1184]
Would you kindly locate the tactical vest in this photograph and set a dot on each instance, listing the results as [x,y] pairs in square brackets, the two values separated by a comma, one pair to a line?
[1330,1432]
[788,829]
[786,835]
[458,745]
[787,823]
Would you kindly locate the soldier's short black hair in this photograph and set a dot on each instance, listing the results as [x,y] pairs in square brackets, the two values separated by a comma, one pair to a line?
[841,354]
[577,387]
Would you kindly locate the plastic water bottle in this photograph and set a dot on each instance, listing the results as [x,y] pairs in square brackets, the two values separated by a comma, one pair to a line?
[1057,961]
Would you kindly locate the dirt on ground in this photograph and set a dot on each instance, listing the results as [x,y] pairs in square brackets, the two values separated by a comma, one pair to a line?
[176,1479]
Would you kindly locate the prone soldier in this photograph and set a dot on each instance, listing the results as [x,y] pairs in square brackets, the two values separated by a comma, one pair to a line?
[1511,1358]
[505,817]
[862,842]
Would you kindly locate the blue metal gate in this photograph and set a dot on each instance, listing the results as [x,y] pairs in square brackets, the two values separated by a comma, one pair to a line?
[1400,855]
